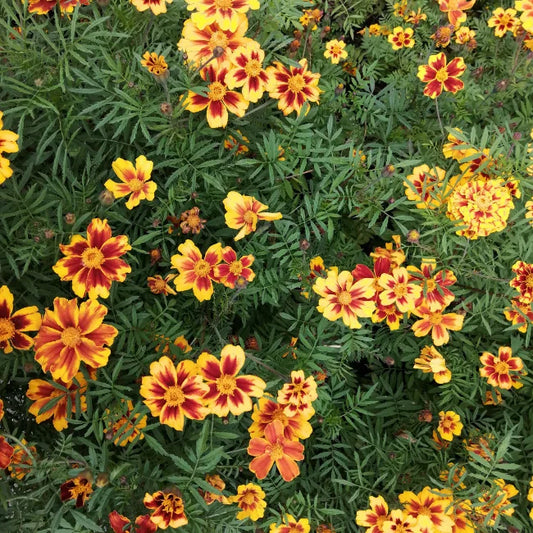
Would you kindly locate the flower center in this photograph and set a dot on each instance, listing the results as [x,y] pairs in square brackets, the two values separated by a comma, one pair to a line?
[296,83]
[160,285]
[336,50]
[248,498]
[193,221]
[235,267]
[430,285]
[435,318]
[136,184]
[529,281]
[223,4]
[174,396]
[218,38]
[344,298]
[483,202]
[226,384]
[505,19]
[217,91]
[501,367]
[172,504]
[278,414]
[250,217]
[92,257]
[71,337]
[202,268]
[441,75]
[276,451]
[400,290]
[7,329]
[252,68]
[426,511]
[81,487]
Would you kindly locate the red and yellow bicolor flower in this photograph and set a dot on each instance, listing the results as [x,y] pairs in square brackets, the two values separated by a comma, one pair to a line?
[233,270]
[247,72]
[156,6]
[224,12]
[437,323]
[167,509]
[500,370]
[440,75]
[455,10]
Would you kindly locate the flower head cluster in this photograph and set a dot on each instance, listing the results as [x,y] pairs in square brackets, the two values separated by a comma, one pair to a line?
[8,144]
[155,64]
[450,425]
[335,51]
[401,38]
[167,509]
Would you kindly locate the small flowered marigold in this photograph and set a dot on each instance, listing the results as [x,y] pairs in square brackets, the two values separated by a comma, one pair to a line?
[8,139]
[243,213]
[224,12]
[426,186]
[291,525]
[526,17]
[519,314]
[232,269]
[455,9]
[155,64]
[388,313]
[13,325]
[121,426]
[70,335]
[78,489]
[174,393]
[443,36]
[416,17]
[160,285]
[240,144]
[167,509]
[503,20]
[498,369]
[449,425]
[250,499]
[217,483]
[431,360]
[247,72]
[6,452]
[42,7]
[429,508]
[298,395]
[190,221]
[399,521]
[228,391]
[440,75]
[523,281]
[464,35]
[335,51]
[22,460]
[392,251]
[156,6]
[92,264]
[398,290]
[437,323]
[375,517]
[401,38]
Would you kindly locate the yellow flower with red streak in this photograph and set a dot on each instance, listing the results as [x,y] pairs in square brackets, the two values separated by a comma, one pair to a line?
[13,325]
[228,391]
[217,483]
[22,460]
[240,144]
[219,100]
[335,51]
[121,426]
[200,44]
[196,272]
[429,508]
[167,509]
[440,75]
[70,335]
[295,427]
[291,525]
[298,395]
[435,293]
[42,7]
[341,297]
[497,502]
[464,35]
[247,72]
[250,499]
[159,285]
[500,370]
[456,147]
[156,6]
[503,20]
[519,314]
[8,143]
[431,360]
[401,38]
[455,9]
[232,270]
[529,212]
[156,65]
[227,13]
[92,264]
[400,520]
[78,489]
[375,517]
[450,425]
[527,16]
[523,281]
[119,523]
[293,86]
[426,186]
[388,313]
[416,17]
[397,290]
[174,393]
[43,392]
[243,213]
[437,323]
[275,448]
[392,251]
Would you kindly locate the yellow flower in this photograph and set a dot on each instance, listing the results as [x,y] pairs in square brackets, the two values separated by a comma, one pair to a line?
[449,425]
[155,64]
[335,51]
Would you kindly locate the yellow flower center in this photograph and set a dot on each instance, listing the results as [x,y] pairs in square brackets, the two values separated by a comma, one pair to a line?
[7,329]
[435,318]
[252,68]
[235,267]
[71,336]
[226,384]
[483,201]
[160,285]
[248,498]
[529,281]
[426,511]
[250,217]
[430,285]
[136,184]
[92,257]
[278,414]
[296,83]
[501,367]
[223,4]
[217,91]
[344,298]
[335,50]
[174,396]
[193,221]
[441,75]
[79,488]
[276,451]
[400,290]
[202,268]
[218,38]
[505,19]
[381,520]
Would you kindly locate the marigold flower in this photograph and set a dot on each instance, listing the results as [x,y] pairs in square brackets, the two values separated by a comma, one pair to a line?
[401,38]
[449,425]
[275,448]
[527,16]
[13,325]
[5,170]
[43,392]
[392,251]
[70,335]
[443,36]
[168,509]
[6,453]
[159,285]
[190,221]
[455,10]
[292,348]
[231,142]
[143,524]
[250,499]
[42,7]
[218,483]
[416,17]
[435,293]
[493,397]
[247,72]
[424,186]
[196,272]
[225,13]
[155,64]
[311,17]
[121,426]
[21,461]
[519,314]
[243,212]
[436,322]
[156,6]
[335,51]
[529,211]
[400,521]
[464,35]
[453,149]
[228,392]
[293,86]
[92,264]
[523,281]
[375,517]
[497,369]
[8,139]
[173,393]
[430,510]
[298,395]
[232,269]
[431,360]
[341,297]
[440,75]
[503,20]
[398,290]
[291,525]
[78,489]
[388,313]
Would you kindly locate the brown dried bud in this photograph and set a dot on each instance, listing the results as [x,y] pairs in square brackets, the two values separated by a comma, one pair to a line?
[304,245]
[194,195]
[502,85]
[218,51]
[251,344]
[106,197]
[102,479]
[49,233]
[294,45]
[425,416]
[70,218]
[166,108]
[389,361]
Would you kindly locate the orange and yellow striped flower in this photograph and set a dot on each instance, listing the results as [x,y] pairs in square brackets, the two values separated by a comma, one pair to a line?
[6,453]
[401,38]
[523,281]
[501,370]
[121,426]
[335,51]
[156,6]
[398,290]
[250,499]
[232,269]
[440,75]
[156,65]
[298,395]
[375,517]
[160,285]
[226,13]
[291,525]
[526,17]
[435,293]
[431,361]
[167,509]
[450,425]
[426,186]
[431,511]
[42,7]
[78,489]
[437,323]
[455,9]
[22,460]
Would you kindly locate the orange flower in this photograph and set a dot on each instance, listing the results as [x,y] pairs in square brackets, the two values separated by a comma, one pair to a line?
[121,426]
[437,323]
[441,76]
[291,525]
[497,369]
[12,325]
[250,499]
[430,510]
[401,38]
[298,395]
[218,483]
[455,9]
[143,524]
[196,272]
[156,6]
[92,264]
[275,448]
[341,297]
[226,13]
[228,393]
[392,251]
[232,269]
[22,459]
[523,281]
[78,489]
[293,86]
[431,360]
[503,20]
[247,72]
[240,144]
[398,290]
[449,425]
[375,517]
[6,453]
[190,221]
[70,335]
[173,393]
[159,285]
[243,212]
[218,100]
[41,7]
[43,392]
[156,65]
[335,51]
[168,509]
